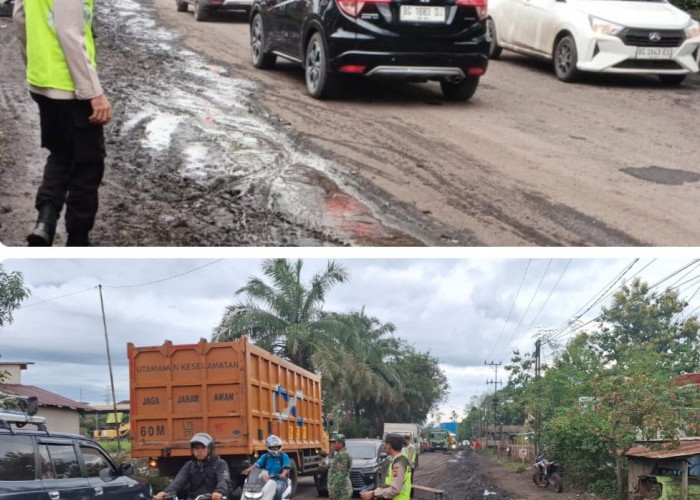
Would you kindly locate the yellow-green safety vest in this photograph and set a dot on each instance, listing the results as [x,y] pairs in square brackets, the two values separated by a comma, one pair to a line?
[405,493]
[46,63]
[405,454]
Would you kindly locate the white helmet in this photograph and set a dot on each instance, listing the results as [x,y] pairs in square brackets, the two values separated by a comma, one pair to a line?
[273,442]
[203,438]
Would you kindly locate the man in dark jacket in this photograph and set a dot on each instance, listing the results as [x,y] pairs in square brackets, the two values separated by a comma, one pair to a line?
[205,474]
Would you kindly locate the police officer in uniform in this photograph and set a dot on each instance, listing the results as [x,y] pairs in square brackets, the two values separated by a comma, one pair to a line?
[397,485]
[409,451]
[57,45]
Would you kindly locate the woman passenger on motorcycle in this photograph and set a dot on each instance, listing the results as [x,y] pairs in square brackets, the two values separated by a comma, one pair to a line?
[205,474]
[275,462]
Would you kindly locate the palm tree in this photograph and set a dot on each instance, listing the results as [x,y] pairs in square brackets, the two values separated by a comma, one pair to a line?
[282,317]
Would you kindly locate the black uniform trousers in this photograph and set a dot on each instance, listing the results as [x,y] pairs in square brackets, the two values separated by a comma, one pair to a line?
[75,165]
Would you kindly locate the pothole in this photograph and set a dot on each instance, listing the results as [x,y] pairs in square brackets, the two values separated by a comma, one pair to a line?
[662,175]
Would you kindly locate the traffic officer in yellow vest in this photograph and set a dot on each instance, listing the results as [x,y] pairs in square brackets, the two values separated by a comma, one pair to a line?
[58,48]
[409,451]
[398,480]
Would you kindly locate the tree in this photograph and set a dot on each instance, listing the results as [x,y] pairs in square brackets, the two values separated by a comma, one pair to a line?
[641,321]
[12,293]
[281,317]
[613,386]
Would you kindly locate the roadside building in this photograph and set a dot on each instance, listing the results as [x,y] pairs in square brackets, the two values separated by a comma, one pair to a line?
[61,414]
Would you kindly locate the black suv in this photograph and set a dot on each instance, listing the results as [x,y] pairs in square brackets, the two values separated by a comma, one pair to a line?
[416,40]
[369,464]
[36,464]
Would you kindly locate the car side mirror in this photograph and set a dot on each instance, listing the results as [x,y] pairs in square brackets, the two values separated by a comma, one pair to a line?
[126,469]
[107,474]
[383,455]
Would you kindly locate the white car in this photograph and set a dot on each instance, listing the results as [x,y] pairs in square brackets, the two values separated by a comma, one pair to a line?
[611,36]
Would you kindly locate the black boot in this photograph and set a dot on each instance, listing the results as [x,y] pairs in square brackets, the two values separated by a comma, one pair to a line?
[45,228]
[78,240]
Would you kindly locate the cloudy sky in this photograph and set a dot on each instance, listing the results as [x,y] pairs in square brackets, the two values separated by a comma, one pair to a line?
[465,312]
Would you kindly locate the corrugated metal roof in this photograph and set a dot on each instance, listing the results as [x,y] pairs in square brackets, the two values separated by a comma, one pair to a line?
[687,447]
[45,397]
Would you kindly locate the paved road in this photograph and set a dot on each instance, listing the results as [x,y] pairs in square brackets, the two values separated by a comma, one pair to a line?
[610,161]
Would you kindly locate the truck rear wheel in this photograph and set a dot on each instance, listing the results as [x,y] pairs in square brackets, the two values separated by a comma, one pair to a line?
[293,475]
[321,481]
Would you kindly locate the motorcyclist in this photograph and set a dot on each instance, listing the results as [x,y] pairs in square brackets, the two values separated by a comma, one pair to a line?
[206,473]
[275,462]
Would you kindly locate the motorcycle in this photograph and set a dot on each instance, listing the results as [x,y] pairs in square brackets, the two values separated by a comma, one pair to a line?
[548,473]
[259,484]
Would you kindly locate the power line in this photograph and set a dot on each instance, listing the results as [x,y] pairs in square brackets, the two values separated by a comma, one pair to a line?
[598,297]
[59,297]
[165,279]
[528,306]
[121,286]
[511,309]
[649,289]
[548,296]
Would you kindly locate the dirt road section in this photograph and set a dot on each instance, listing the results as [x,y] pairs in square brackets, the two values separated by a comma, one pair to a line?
[207,151]
[529,161]
[469,476]
[193,159]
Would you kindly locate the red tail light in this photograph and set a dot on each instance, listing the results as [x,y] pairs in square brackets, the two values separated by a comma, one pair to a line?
[352,68]
[353,7]
[476,71]
[480,5]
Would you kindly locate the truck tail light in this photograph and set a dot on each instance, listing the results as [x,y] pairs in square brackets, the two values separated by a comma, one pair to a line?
[353,7]
[481,6]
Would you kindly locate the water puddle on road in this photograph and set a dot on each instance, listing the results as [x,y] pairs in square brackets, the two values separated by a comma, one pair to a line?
[192,117]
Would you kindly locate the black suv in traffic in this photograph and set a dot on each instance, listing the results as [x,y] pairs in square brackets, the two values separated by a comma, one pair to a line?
[415,40]
[36,464]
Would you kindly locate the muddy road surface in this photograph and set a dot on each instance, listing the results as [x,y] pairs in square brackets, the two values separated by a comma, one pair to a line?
[205,150]
[468,476]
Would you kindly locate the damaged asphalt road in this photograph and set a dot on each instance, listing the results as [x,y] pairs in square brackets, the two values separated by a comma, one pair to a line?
[193,159]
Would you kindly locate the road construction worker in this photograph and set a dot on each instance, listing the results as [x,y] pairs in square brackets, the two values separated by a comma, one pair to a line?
[339,484]
[205,474]
[397,485]
[275,462]
[57,45]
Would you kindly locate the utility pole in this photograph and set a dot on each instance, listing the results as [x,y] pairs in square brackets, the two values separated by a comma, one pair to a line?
[109,361]
[538,415]
[495,383]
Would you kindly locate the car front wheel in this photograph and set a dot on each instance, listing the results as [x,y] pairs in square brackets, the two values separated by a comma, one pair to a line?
[461,90]
[261,59]
[494,49]
[201,13]
[318,81]
[565,59]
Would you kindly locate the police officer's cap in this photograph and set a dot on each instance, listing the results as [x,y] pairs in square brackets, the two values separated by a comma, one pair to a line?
[338,437]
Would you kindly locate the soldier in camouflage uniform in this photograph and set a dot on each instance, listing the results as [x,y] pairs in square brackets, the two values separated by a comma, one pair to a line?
[339,485]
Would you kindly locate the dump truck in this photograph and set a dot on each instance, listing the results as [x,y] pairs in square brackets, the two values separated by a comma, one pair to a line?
[236,392]
[439,440]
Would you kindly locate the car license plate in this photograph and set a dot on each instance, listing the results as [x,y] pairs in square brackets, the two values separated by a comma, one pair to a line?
[422,14]
[654,52]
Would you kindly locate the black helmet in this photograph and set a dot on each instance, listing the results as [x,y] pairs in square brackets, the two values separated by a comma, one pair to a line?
[204,439]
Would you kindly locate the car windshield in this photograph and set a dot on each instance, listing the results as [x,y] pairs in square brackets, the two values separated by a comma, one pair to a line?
[361,450]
